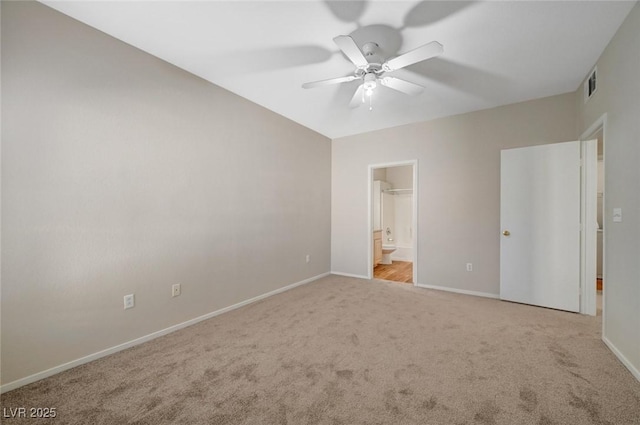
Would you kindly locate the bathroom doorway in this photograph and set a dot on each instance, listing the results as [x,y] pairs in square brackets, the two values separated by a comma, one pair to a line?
[393,222]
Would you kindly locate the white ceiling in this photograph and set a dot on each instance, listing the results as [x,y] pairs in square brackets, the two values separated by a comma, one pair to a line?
[495,53]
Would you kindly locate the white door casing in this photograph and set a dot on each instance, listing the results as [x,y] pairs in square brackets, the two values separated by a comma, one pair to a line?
[589,219]
[414,221]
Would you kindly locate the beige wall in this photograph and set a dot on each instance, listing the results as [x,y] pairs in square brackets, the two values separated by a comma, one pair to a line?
[618,95]
[459,184]
[123,174]
[380,174]
[400,177]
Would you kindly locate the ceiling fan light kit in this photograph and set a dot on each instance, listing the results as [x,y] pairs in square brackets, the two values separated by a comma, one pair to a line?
[371,68]
[369,83]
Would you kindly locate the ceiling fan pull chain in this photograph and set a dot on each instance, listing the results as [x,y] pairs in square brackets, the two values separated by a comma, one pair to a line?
[371,102]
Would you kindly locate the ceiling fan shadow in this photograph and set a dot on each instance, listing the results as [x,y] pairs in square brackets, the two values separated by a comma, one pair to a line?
[469,79]
[388,39]
[270,59]
[347,11]
[429,12]
[344,93]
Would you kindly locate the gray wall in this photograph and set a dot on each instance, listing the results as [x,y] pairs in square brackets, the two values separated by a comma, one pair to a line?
[618,95]
[459,187]
[123,174]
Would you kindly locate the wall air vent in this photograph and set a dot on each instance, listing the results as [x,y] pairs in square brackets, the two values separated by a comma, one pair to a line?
[590,85]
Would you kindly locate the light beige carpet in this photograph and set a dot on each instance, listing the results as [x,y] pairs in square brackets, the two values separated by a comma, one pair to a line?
[351,351]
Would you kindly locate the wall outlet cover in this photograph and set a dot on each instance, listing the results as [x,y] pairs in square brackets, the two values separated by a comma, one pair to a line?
[129,301]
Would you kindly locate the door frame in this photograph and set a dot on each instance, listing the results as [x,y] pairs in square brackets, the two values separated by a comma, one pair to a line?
[588,244]
[414,218]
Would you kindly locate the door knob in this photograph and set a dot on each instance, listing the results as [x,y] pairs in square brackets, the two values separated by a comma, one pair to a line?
[506,232]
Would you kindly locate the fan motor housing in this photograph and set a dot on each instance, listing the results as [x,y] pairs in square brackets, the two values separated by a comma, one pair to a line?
[372,54]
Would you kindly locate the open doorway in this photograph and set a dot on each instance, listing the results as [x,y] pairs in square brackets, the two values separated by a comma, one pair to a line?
[600,218]
[594,289]
[392,218]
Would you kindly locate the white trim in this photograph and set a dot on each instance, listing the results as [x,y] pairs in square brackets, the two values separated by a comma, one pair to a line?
[358,276]
[588,230]
[593,128]
[370,222]
[626,362]
[414,211]
[459,291]
[414,231]
[599,124]
[103,353]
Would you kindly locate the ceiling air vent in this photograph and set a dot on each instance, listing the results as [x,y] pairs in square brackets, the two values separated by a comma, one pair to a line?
[590,85]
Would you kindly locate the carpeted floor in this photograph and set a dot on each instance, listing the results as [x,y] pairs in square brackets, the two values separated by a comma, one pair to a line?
[350,351]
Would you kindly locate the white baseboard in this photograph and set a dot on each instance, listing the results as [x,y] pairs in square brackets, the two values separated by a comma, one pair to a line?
[459,291]
[350,275]
[95,356]
[634,371]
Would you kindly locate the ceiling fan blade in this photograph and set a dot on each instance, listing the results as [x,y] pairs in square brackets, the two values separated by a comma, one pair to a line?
[428,51]
[403,86]
[351,50]
[356,100]
[329,82]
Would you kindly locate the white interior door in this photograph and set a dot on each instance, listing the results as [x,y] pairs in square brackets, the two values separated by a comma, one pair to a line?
[540,222]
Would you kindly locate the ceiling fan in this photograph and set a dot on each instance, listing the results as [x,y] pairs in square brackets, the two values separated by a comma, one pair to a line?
[371,68]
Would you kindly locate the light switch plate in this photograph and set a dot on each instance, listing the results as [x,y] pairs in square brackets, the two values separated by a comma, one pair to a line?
[617,215]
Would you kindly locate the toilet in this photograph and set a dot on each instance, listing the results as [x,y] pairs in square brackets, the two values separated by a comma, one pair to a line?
[387,249]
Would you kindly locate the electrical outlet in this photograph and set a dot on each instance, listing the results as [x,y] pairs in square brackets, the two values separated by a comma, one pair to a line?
[469,267]
[308,258]
[175,290]
[129,301]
